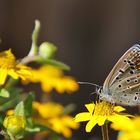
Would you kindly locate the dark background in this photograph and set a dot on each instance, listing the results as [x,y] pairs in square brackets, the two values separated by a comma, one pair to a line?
[91,35]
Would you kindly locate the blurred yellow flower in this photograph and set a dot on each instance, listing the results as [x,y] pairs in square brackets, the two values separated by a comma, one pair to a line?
[48,110]
[63,125]
[10,112]
[8,66]
[99,113]
[51,78]
[130,129]
[52,115]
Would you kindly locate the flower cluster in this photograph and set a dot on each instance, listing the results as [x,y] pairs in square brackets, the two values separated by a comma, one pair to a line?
[52,115]
[101,112]
[52,77]
[21,113]
[9,66]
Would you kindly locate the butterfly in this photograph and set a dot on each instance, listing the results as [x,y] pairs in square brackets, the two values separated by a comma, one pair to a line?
[122,85]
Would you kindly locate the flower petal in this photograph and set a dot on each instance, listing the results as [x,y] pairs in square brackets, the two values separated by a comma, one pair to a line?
[23,71]
[85,116]
[118,118]
[101,120]
[91,124]
[3,75]
[90,107]
[121,122]
[119,109]
[66,132]
[13,74]
[69,122]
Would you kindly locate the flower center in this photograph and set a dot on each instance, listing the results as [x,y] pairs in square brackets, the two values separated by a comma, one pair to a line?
[103,109]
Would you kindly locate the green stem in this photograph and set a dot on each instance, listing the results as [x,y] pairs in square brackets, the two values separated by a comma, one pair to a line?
[11,136]
[11,82]
[28,59]
[105,131]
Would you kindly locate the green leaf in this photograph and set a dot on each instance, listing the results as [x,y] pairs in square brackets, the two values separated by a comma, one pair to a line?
[34,48]
[8,104]
[11,102]
[29,122]
[4,93]
[28,105]
[54,63]
[19,109]
[1,119]
[36,31]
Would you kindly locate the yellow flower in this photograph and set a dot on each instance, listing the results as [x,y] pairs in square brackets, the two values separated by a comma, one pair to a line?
[14,124]
[45,110]
[52,115]
[63,124]
[10,112]
[8,66]
[130,129]
[51,78]
[99,113]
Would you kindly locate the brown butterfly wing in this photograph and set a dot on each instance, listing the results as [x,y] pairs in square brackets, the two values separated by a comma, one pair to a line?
[123,82]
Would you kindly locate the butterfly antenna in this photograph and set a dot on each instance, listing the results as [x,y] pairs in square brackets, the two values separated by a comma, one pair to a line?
[94,92]
[91,95]
[88,83]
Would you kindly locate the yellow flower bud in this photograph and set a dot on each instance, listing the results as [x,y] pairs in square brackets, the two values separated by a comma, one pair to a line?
[14,124]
